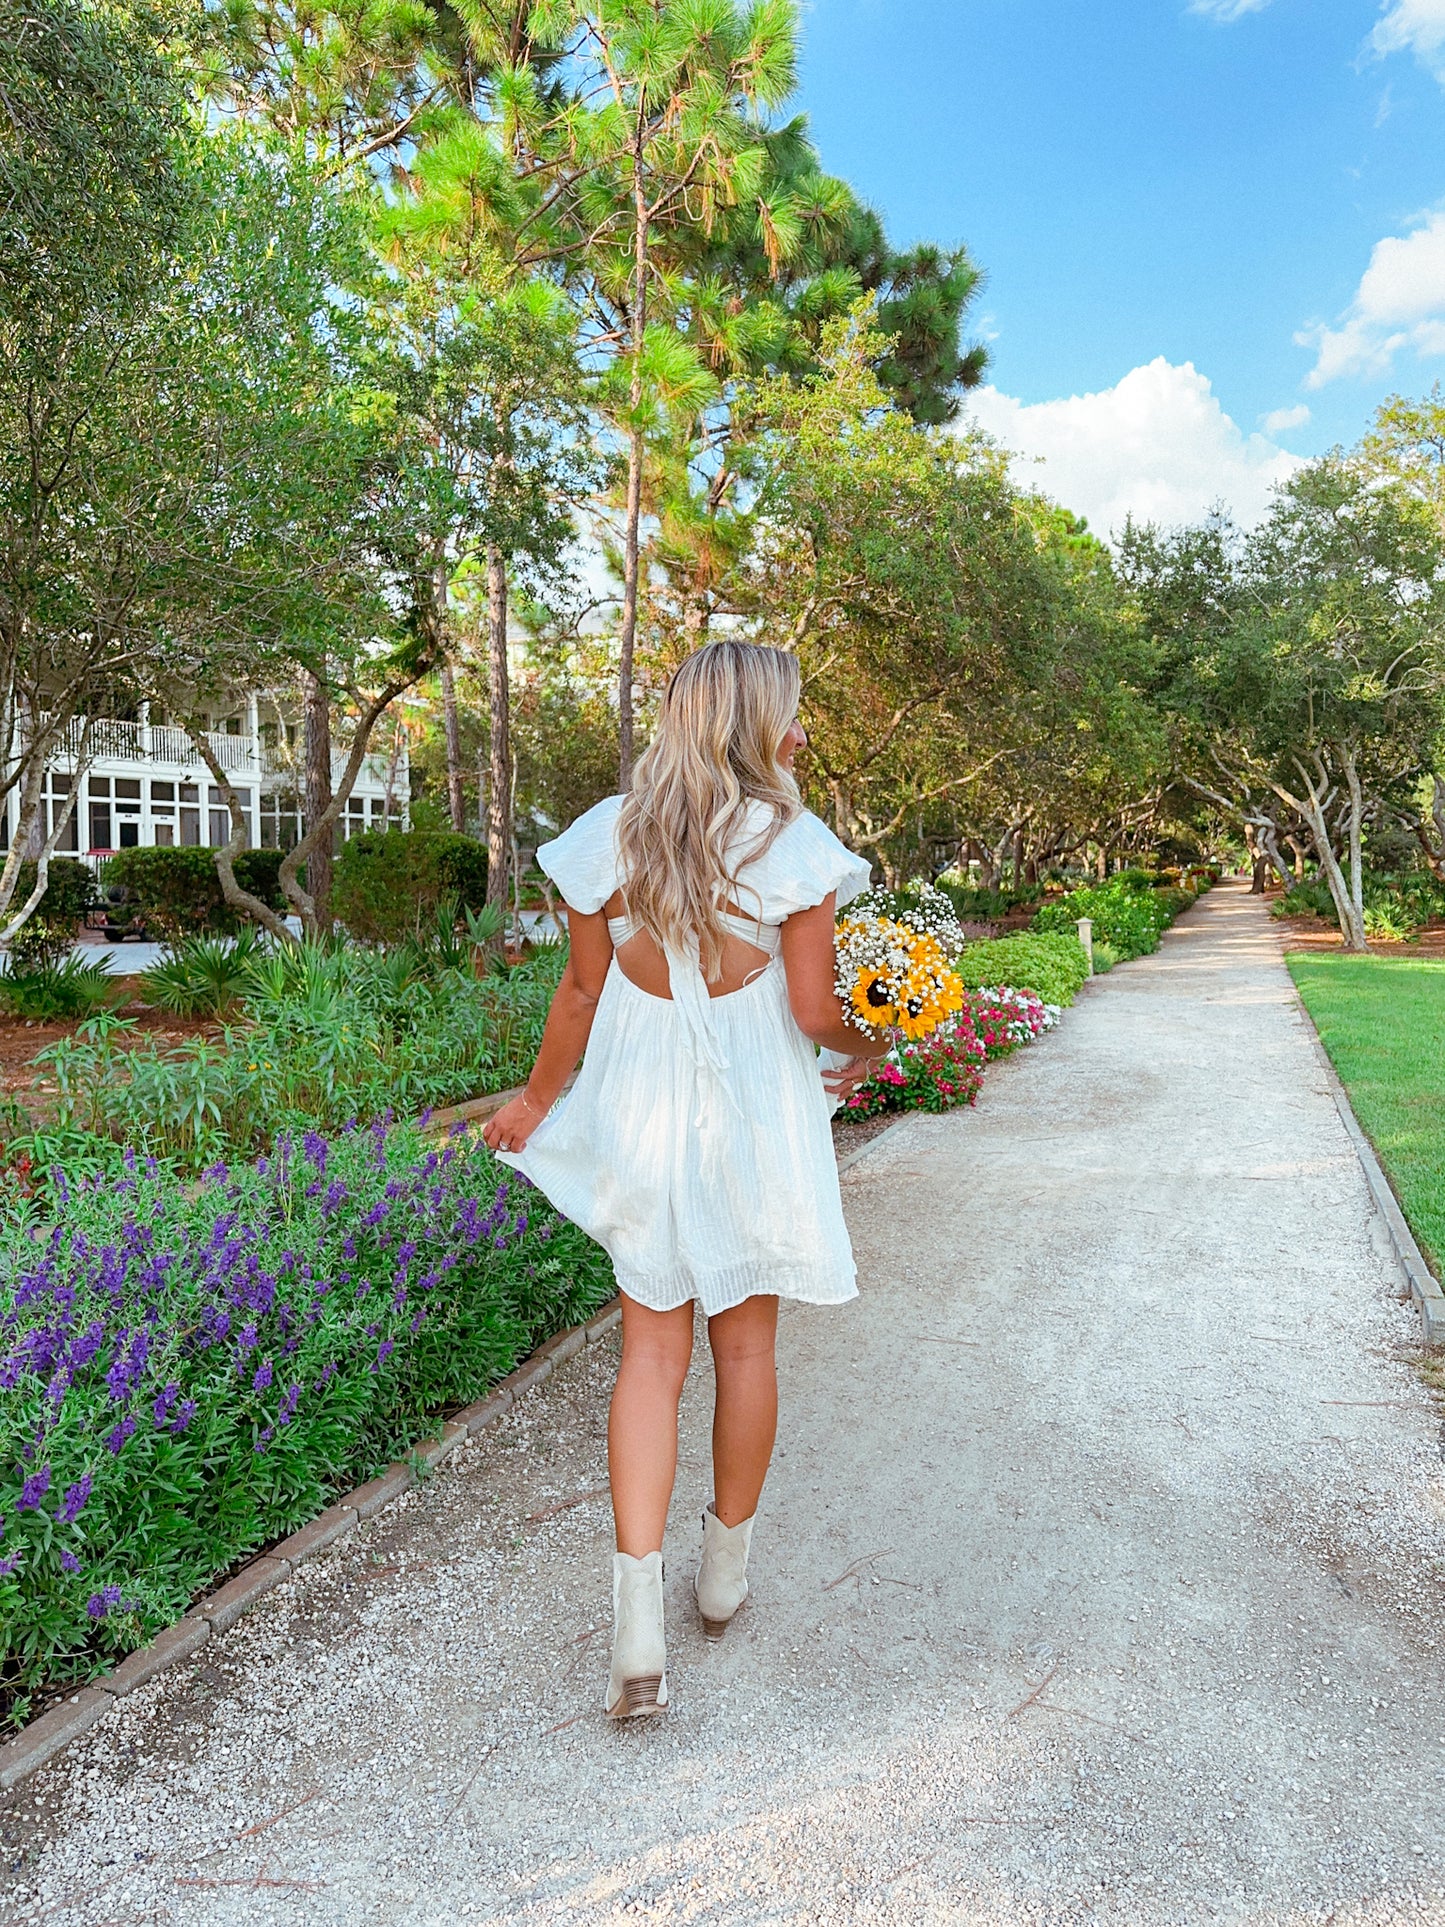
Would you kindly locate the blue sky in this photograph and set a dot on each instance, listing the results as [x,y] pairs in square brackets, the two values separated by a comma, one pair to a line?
[1207,218]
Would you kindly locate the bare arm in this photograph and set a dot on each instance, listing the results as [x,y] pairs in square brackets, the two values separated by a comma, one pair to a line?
[564,1037]
[808,959]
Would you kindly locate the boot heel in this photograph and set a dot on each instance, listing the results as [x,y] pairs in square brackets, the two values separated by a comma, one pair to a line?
[640,1698]
[721,1585]
[637,1683]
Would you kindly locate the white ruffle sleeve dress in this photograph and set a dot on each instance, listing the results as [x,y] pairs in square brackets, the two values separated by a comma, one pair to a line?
[695,1144]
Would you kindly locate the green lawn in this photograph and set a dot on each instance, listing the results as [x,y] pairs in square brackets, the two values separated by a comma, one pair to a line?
[1382,1020]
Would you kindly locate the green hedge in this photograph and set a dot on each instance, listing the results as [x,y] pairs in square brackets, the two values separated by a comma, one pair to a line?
[177,893]
[1129,920]
[252,1344]
[387,883]
[1053,967]
[46,936]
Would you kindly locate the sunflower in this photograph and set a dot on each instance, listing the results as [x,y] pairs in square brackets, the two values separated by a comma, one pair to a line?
[872,997]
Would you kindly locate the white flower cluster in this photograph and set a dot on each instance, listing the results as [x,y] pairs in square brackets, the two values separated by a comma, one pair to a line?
[868,945]
[922,907]
[1024,1013]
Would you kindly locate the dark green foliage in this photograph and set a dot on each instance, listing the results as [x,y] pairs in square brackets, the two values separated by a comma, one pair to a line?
[1310,897]
[975,904]
[44,940]
[255,1343]
[1053,967]
[259,871]
[203,976]
[90,195]
[1173,899]
[176,893]
[46,991]
[389,883]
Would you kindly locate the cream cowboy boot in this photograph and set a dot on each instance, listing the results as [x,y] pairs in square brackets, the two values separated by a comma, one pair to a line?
[721,1585]
[638,1682]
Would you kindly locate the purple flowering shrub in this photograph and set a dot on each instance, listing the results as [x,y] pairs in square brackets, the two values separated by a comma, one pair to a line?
[188,1371]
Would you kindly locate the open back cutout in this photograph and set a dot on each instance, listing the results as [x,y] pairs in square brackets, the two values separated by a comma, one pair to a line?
[644,966]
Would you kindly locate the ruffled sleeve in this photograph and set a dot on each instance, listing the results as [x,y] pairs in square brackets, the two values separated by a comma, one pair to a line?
[806,863]
[582,861]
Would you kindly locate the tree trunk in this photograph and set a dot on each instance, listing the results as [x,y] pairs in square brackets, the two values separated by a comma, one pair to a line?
[389,806]
[239,840]
[1357,868]
[322,828]
[30,797]
[1312,806]
[317,715]
[499,702]
[456,798]
[627,638]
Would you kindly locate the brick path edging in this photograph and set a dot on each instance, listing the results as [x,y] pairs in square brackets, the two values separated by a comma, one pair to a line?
[43,1738]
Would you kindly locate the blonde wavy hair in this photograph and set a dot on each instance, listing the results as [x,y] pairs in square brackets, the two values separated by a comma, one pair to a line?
[680,832]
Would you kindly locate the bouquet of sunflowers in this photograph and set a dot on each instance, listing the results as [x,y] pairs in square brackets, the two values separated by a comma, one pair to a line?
[893,977]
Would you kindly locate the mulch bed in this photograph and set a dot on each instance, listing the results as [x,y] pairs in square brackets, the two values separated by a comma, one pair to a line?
[1318,933]
[22,1038]
[851,1133]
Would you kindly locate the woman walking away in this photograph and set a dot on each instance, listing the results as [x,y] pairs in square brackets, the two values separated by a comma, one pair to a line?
[695,1145]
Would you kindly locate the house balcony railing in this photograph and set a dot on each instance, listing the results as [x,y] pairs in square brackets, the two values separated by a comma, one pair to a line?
[114,740]
[161,743]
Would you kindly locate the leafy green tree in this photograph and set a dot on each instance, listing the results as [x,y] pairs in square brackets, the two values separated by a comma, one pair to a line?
[901,567]
[663,128]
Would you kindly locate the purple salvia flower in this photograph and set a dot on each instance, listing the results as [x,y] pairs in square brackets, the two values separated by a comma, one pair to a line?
[73,1502]
[69,1562]
[9,1564]
[185,1412]
[101,1604]
[33,1491]
[261,1382]
[116,1438]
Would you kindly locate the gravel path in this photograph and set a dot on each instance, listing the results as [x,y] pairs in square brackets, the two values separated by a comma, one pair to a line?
[1099,1577]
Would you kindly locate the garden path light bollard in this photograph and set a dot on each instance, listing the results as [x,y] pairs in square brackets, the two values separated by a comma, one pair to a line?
[1086,939]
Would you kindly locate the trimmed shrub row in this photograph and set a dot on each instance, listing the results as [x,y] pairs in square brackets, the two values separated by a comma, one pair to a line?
[176,893]
[1052,966]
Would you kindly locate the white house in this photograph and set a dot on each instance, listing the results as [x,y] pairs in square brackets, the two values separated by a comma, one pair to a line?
[145,784]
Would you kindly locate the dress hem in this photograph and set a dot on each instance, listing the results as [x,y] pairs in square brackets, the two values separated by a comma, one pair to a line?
[667,1293]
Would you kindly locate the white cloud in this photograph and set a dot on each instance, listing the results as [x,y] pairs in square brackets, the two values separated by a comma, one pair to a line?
[1157,445]
[1279,419]
[1399,304]
[1227,10]
[1413,26]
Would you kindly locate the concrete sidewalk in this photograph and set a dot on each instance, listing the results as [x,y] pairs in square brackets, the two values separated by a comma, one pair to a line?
[1098,1578]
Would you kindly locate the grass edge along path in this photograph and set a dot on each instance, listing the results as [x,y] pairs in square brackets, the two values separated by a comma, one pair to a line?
[1381,1020]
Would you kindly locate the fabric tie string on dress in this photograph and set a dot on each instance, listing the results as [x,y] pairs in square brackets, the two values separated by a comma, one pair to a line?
[693,1006]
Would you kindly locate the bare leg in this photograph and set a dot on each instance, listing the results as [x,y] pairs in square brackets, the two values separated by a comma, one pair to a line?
[642,1424]
[745,1417]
